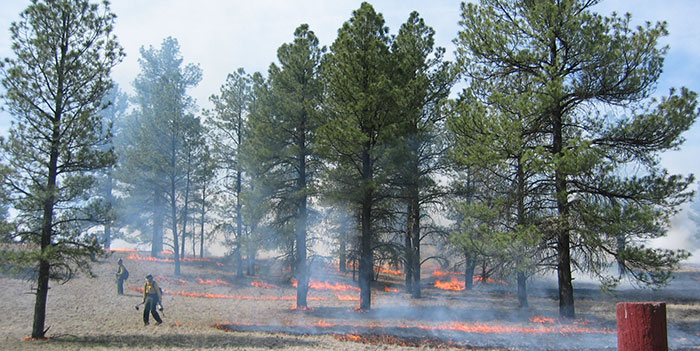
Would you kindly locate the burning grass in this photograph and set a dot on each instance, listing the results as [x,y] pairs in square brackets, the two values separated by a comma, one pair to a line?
[446,335]
[384,339]
[484,318]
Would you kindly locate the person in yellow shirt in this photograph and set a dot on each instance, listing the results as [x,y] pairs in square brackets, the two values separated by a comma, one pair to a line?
[122,274]
[152,296]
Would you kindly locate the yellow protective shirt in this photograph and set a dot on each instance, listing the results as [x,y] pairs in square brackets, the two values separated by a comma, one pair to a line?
[151,288]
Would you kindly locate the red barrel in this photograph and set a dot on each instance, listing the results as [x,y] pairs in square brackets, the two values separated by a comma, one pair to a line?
[641,326]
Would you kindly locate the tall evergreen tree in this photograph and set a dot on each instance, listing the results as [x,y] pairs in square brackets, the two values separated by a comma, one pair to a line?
[158,134]
[424,80]
[229,128]
[362,121]
[580,63]
[492,136]
[64,52]
[282,145]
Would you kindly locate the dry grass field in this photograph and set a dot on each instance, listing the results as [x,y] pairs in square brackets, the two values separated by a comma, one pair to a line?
[208,308]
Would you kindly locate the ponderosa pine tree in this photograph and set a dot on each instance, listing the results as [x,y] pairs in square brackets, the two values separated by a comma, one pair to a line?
[362,121]
[581,64]
[494,139]
[64,53]
[283,141]
[154,161]
[424,80]
[229,121]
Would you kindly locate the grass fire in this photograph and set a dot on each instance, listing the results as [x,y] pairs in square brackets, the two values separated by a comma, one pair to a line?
[209,307]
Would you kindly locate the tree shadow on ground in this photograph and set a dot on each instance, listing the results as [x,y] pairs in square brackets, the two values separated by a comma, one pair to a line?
[193,341]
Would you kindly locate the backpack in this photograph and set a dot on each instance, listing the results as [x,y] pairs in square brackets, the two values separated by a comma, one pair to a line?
[125,275]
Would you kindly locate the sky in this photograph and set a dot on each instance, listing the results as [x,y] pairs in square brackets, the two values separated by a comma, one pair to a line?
[223,35]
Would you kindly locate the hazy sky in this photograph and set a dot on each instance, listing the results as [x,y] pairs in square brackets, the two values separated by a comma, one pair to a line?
[222,35]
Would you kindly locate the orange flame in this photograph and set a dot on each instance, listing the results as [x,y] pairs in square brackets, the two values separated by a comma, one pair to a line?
[259,284]
[543,320]
[388,289]
[388,270]
[474,328]
[454,285]
[381,269]
[353,337]
[323,324]
[347,297]
[136,257]
[483,328]
[440,273]
[457,285]
[317,285]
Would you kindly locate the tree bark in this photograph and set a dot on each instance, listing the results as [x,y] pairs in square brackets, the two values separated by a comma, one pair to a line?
[173,213]
[415,245]
[158,219]
[108,227]
[46,234]
[470,265]
[342,254]
[566,289]
[522,289]
[302,214]
[366,267]
[408,251]
[201,228]
[185,210]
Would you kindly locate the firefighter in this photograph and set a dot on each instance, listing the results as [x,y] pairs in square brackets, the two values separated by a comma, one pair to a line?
[122,275]
[152,296]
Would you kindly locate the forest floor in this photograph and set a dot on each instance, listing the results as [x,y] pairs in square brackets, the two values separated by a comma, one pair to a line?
[208,308]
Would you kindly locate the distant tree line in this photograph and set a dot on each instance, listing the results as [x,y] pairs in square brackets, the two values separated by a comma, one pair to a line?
[547,160]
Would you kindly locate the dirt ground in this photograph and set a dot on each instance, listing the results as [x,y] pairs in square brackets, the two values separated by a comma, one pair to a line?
[87,314]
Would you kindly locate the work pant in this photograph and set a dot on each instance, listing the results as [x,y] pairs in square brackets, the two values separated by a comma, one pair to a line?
[150,307]
[120,286]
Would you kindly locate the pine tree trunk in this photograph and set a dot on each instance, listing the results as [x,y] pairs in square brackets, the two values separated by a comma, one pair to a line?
[173,213]
[408,251]
[251,262]
[342,254]
[366,267]
[302,214]
[42,290]
[110,199]
[158,219]
[415,244]
[239,226]
[184,216]
[566,290]
[522,289]
[41,298]
[201,228]
[470,265]
[301,265]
